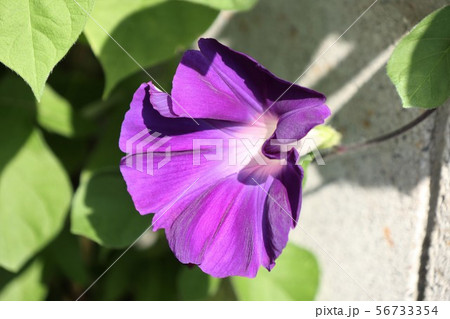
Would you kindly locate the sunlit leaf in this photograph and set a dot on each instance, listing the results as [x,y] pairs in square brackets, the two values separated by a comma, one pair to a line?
[24,286]
[419,66]
[35,35]
[295,277]
[150,31]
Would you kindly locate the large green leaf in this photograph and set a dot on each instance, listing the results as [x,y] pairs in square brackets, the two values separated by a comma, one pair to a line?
[34,199]
[36,34]
[420,64]
[103,211]
[35,191]
[295,277]
[151,31]
[24,286]
[227,4]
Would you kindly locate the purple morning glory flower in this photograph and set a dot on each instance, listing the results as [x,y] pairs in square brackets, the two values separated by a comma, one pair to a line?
[227,196]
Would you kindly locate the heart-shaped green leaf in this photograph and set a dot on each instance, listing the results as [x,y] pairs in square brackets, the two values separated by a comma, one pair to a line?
[420,64]
[36,34]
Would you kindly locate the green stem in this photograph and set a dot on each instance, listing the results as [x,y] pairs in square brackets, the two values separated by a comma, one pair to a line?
[342,149]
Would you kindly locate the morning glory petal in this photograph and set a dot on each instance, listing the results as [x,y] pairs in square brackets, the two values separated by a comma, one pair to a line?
[254,83]
[225,195]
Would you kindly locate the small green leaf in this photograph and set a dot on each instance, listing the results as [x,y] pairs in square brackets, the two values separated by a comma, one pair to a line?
[151,31]
[24,286]
[420,64]
[295,277]
[37,34]
[227,4]
[56,115]
[32,208]
[103,211]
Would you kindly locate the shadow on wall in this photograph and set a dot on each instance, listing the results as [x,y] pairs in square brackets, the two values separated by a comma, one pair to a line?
[374,107]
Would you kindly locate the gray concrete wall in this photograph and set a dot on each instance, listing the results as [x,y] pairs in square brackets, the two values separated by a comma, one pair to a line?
[435,271]
[378,219]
